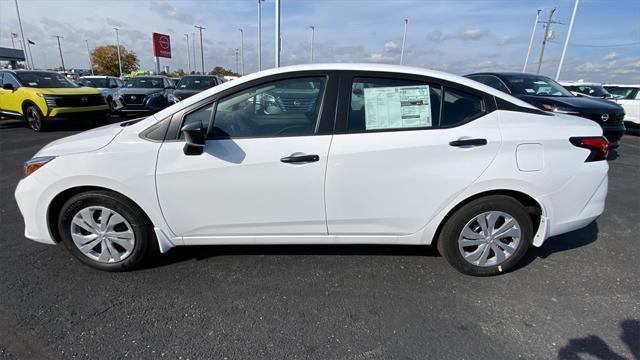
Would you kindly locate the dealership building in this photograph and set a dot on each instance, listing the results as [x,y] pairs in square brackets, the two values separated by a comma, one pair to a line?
[11,56]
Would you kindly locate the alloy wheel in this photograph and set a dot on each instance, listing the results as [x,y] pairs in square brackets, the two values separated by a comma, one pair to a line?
[33,118]
[489,239]
[102,234]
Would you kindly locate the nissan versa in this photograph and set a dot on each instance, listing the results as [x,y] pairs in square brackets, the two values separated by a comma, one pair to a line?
[323,154]
[43,98]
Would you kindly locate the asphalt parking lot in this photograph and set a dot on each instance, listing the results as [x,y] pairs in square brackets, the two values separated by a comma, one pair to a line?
[576,297]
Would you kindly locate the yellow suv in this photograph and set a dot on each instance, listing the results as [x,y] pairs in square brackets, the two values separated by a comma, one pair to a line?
[43,97]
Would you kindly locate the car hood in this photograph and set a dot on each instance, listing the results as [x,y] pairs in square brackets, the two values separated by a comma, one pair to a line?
[582,103]
[139,91]
[86,141]
[183,94]
[68,91]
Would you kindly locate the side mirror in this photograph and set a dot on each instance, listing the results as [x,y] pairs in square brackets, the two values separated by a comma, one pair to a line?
[8,86]
[194,138]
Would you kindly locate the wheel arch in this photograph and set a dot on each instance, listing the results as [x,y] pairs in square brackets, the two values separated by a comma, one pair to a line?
[25,103]
[533,207]
[58,201]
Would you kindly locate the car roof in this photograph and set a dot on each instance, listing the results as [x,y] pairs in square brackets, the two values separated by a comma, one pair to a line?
[506,73]
[97,76]
[622,85]
[401,69]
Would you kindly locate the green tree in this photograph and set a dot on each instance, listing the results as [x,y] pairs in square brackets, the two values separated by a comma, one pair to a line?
[105,60]
[220,71]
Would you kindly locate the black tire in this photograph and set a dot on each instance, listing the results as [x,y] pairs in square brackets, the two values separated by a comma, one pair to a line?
[451,231]
[145,244]
[35,119]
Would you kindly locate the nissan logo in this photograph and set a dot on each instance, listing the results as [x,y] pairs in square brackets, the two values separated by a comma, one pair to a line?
[133,97]
[296,102]
[84,99]
[604,117]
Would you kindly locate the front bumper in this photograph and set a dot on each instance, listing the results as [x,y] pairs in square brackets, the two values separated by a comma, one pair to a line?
[150,105]
[88,112]
[29,196]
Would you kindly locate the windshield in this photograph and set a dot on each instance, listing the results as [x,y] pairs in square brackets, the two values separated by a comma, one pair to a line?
[94,82]
[44,80]
[591,90]
[535,85]
[197,83]
[145,82]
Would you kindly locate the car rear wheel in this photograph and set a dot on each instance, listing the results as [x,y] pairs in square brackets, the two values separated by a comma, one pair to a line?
[487,236]
[35,119]
[106,231]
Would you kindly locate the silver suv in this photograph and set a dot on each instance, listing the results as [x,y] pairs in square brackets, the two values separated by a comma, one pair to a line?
[108,85]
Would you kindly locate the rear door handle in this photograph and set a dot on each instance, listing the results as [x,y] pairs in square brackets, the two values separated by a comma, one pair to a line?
[468,142]
[300,159]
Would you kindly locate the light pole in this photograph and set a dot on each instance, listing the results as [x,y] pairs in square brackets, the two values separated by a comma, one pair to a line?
[533,35]
[193,48]
[260,34]
[241,52]
[201,48]
[89,53]
[24,48]
[313,33]
[64,71]
[277,59]
[119,59]
[566,41]
[237,66]
[188,53]
[404,37]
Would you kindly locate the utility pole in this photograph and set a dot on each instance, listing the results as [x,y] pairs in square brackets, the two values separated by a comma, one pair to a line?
[64,71]
[260,35]
[404,36]
[547,30]
[24,48]
[277,59]
[533,35]
[201,48]
[188,53]
[89,53]
[241,52]
[237,66]
[313,34]
[33,65]
[566,40]
[119,59]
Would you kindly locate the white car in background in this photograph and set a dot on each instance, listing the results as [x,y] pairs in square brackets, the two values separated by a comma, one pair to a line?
[283,157]
[590,89]
[628,96]
[108,85]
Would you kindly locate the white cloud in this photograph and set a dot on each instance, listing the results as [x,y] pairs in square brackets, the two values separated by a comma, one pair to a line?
[505,40]
[612,56]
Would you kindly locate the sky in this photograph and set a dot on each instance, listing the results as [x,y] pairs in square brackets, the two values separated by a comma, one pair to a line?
[454,36]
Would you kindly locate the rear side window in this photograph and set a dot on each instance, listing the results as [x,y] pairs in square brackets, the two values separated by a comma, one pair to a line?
[387,104]
[460,107]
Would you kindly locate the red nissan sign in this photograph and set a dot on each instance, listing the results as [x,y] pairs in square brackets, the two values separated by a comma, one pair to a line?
[161,45]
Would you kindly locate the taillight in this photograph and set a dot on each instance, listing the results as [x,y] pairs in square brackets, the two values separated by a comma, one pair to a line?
[598,145]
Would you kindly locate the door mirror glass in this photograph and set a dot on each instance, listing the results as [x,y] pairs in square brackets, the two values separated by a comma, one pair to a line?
[194,139]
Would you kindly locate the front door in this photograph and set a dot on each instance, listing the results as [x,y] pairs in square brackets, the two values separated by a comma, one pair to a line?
[262,170]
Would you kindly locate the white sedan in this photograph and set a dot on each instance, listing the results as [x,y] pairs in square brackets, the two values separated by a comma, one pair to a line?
[323,154]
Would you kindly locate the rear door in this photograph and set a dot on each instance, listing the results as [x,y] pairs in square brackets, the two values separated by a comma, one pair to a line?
[404,147]
[263,167]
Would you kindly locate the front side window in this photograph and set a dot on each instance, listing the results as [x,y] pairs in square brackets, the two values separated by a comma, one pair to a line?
[385,104]
[94,82]
[44,80]
[460,107]
[200,116]
[280,108]
[620,92]
[9,79]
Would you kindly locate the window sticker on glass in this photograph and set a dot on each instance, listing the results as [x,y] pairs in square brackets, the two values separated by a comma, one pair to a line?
[397,107]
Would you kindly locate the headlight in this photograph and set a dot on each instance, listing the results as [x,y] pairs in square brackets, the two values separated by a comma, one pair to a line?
[36,163]
[172,98]
[154,95]
[559,109]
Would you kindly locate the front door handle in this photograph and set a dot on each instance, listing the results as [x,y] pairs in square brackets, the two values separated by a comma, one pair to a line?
[468,142]
[300,158]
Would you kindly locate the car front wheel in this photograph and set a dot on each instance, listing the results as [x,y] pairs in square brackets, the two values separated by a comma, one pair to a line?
[106,231]
[487,236]
[35,119]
